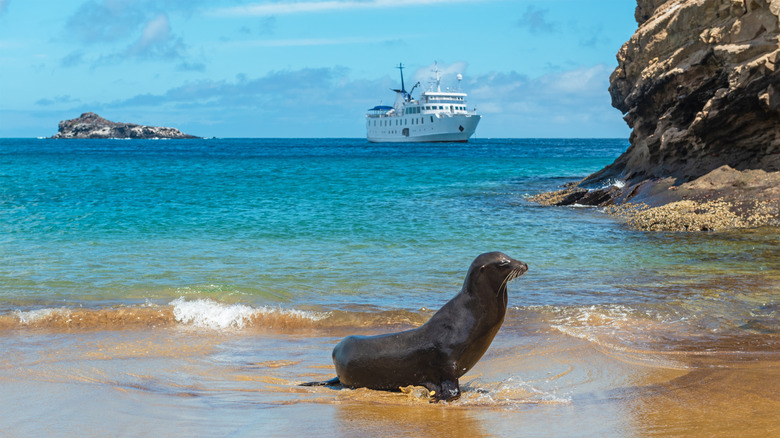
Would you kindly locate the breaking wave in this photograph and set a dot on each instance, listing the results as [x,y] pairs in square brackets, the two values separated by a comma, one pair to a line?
[207,314]
[211,314]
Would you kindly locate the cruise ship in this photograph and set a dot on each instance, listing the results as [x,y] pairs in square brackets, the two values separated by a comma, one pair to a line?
[437,116]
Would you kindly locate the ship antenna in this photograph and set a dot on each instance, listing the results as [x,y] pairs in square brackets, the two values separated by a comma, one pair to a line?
[438,78]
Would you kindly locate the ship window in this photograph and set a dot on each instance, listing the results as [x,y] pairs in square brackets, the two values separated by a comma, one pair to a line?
[431,119]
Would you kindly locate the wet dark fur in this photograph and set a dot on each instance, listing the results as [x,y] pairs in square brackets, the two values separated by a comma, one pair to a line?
[437,353]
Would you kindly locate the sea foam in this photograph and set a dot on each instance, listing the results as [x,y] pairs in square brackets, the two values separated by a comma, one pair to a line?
[35,316]
[207,313]
[210,314]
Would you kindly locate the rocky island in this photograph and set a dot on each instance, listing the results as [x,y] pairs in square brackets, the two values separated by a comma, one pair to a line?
[91,125]
[699,84]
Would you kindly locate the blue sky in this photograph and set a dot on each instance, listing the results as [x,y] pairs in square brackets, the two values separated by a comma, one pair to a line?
[307,68]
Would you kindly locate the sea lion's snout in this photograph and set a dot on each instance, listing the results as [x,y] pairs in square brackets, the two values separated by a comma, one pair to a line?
[518,268]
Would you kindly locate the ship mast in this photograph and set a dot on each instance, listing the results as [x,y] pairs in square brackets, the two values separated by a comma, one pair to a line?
[401,67]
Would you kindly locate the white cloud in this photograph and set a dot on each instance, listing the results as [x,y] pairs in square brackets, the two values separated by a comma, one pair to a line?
[584,80]
[568,103]
[266,9]
[156,31]
[583,84]
[155,42]
[447,72]
[107,21]
[304,42]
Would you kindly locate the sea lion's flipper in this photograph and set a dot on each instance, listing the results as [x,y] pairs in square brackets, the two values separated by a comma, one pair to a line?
[334,382]
[447,390]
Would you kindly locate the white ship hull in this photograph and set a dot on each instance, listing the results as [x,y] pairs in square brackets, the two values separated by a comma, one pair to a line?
[424,128]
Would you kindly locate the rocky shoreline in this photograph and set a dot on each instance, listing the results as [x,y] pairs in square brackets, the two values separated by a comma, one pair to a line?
[698,85]
[721,200]
[91,125]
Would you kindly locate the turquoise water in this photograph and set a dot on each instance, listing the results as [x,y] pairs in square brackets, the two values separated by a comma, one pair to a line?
[324,222]
[277,220]
[186,287]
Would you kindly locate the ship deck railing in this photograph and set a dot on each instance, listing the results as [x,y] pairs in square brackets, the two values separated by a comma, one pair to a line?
[424,113]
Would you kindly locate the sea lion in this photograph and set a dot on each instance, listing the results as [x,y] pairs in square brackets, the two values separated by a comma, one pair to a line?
[437,353]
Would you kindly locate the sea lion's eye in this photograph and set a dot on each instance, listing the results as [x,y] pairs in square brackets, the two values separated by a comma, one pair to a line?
[503,262]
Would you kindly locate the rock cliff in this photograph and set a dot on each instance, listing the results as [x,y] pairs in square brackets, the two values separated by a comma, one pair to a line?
[91,125]
[699,84]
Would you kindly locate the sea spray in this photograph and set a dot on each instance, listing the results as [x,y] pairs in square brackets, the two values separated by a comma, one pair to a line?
[31,317]
[210,314]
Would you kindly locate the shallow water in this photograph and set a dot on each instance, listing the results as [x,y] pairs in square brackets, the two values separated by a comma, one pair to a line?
[186,287]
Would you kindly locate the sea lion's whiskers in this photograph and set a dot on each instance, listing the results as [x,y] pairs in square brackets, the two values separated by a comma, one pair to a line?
[515,274]
[511,276]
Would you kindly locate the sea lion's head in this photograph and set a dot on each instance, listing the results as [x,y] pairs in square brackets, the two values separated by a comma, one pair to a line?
[490,273]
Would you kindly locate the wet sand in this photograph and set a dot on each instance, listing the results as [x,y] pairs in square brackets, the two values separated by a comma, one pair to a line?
[540,377]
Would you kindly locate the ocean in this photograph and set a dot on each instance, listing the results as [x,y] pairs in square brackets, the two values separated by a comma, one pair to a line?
[186,287]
